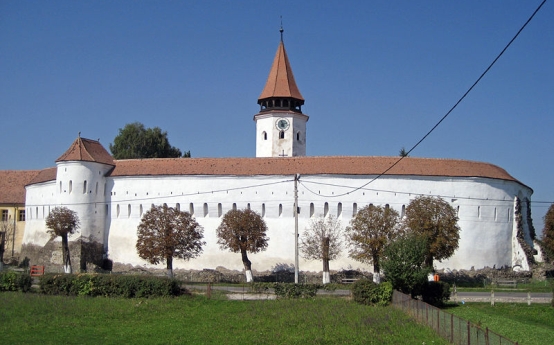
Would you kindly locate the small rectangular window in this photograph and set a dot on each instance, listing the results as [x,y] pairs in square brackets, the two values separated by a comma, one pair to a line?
[21,216]
[5,215]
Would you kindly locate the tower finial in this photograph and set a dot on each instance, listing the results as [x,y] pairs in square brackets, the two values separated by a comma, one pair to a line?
[281,29]
[79,134]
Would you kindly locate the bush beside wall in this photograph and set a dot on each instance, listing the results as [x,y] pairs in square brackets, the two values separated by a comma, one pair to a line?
[14,281]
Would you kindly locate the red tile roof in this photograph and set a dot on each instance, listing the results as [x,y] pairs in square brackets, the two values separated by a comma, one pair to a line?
[87,150]
[44,175]
[335,165]
[12,185]
[330,165]
[280,82]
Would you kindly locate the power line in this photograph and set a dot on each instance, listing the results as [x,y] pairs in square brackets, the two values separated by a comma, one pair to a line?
[451,109]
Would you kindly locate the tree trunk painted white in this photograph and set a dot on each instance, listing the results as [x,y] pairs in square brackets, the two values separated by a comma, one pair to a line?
[377,278]
[249,278]
[67,269]
[326,277]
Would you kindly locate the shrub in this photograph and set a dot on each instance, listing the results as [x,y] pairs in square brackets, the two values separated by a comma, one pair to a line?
[404,264]
[108,285]
[14,281]
[436,293]
[367,292]
[291,290]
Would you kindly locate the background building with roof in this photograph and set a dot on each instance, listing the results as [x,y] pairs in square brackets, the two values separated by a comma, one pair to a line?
[110,196]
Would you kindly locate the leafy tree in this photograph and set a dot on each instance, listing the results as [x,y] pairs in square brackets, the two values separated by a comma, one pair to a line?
[404,263]
[134,141]
[165,233]
[369,232]
[63,222]
[437,221]
[322,240]
[547,242]
[243,231]
[403,152]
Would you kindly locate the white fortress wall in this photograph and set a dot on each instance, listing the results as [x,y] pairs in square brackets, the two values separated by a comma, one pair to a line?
[485,207]
[40,198]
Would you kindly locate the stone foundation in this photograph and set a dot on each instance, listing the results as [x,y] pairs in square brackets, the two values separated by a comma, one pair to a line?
[85,256]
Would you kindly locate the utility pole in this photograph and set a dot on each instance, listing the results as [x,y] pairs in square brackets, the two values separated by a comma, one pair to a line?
[296,178]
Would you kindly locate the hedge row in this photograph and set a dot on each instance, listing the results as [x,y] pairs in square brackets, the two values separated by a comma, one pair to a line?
[108,285]
[14,281]
[288,290]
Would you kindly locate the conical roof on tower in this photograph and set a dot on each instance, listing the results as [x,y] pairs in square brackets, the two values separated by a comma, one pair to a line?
[87,150]
[280,82]
[280,91]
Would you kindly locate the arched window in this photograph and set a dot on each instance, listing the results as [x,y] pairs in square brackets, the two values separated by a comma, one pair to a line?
[403,212]
[280,210]
[219,210]
[234,206]
[96,188]
[354,209]
[140,210]
[178,207]
[117,211]
[248,206]
[264,135]
[281,135]
[326,209]
[297,136]
[70,186]
[206,213]
[263,210]
[339,210]
[60,187]
[191,209]
[85,187]
[129,211]
[312,209]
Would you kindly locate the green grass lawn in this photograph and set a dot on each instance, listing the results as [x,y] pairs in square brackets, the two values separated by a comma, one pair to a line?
[528,325]
[39,319]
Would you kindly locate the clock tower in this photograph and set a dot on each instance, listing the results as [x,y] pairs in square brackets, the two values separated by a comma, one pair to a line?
[280,124]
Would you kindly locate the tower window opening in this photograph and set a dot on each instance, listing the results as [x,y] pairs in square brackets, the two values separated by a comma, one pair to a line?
[354,209]
[219,210]
[70,186]
[281,135]
[206,211]
[326,209]
[264,135]
[297,136]
[312,209]
[263,210]
[85,187]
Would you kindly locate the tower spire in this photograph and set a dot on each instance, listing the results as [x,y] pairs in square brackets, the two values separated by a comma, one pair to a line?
[280,91]
[281,29]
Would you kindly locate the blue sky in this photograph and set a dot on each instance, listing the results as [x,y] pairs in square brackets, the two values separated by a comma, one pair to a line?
[376,76]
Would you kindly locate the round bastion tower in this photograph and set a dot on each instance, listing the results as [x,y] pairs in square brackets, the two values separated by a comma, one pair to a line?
[81,187]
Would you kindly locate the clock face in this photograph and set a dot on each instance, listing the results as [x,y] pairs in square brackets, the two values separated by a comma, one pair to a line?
[282,124]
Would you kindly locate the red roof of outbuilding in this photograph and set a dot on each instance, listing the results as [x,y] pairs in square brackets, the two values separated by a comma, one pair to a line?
[12,185]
